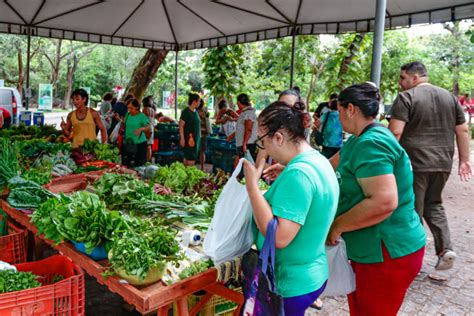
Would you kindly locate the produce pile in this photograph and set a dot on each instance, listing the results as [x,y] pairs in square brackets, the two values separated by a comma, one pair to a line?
[12,280]
[28,132]
[128,216]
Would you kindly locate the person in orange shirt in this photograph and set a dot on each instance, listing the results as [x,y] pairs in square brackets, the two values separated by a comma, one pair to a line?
[83,121]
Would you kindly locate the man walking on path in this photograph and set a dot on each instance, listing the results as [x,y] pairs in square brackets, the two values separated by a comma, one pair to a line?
[426,119]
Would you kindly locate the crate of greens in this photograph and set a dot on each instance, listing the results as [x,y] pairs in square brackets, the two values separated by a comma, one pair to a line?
[53,286]
[12,241]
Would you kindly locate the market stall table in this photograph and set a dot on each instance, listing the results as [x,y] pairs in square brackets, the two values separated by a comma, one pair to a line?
[156,297]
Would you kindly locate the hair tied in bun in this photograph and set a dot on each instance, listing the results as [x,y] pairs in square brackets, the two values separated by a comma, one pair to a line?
[299,106]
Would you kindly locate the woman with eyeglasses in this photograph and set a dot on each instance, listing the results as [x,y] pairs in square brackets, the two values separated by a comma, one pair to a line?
[376,213]
[303,198]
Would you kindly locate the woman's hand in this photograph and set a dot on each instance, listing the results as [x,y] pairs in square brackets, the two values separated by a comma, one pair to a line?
[272,172]
[334,235]
[252,174]
[138,131]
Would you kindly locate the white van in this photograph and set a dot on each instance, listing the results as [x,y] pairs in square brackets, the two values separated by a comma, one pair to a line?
[10,99]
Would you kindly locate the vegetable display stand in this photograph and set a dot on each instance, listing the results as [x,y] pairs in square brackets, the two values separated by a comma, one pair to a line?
[64,297]
[13,245]
[223,159]
[157,297]
[168,157]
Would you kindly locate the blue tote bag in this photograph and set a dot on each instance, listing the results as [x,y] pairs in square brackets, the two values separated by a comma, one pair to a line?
[259,286]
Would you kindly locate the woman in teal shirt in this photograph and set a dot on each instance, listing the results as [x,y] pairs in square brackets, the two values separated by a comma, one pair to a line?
[137,129]
[376,213]
[303,197]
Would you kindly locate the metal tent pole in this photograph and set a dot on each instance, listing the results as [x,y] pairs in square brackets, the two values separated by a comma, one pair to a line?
[28,48]
[176,85]
[292,65]
[376,67]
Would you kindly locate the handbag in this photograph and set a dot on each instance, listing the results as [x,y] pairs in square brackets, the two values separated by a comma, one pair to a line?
[319,135]
[259,285]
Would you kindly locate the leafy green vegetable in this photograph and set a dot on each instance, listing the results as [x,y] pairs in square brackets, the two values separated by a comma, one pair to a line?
[9,166]
[178,177]
[81,217]
[143,247]
[41,175]
[104,152]
[21,131]
[26,194]
[119,190]
[195,268]
[36,147]
[11,281]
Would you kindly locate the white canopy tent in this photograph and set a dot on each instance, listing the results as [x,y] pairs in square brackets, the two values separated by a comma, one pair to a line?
[192,24]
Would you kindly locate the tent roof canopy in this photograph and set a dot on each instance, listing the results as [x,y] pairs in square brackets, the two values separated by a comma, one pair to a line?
[191,24]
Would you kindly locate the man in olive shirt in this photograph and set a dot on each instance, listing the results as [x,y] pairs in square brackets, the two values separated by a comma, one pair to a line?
[426,119]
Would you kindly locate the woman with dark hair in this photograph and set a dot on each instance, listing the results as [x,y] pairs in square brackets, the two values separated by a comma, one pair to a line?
[246,127]
[306,186]
[331,129]
[137,129]
[206,129]
[150,113]
[226,117]
[376,213]
[82,122]
[290,96]
[190,130]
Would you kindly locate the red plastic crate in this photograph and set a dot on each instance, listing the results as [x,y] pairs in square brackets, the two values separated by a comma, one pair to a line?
[65,297]
[13,246]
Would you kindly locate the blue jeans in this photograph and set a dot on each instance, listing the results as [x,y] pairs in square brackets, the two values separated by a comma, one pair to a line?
[297,305]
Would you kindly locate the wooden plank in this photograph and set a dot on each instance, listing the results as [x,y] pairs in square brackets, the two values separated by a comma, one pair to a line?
[182,306]
[199,305]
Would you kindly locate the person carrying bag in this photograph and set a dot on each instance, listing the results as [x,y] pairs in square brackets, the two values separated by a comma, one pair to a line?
[259,284]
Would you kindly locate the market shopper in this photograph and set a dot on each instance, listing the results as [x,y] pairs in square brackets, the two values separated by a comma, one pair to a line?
[246,128]
[190,130]
[426,119]
[306,186]
[148,110]
[82,122]
[5,118]
[226,117]
[137,129]
[119,110]
[376,213]
[206,130]
[331,130]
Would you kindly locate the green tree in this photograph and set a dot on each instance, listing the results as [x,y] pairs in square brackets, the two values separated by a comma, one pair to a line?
[223,70]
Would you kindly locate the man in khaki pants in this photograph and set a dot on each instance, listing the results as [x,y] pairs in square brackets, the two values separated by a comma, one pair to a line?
[426,119]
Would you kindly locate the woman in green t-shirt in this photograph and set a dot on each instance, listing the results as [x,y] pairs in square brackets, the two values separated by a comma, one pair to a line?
[190,130]
[137,129]
[376,213]
[303,198]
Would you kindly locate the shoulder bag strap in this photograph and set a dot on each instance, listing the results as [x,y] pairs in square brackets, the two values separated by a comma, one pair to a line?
[325,121]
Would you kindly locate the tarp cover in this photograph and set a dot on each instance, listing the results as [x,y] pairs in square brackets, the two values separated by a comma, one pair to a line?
[190,24]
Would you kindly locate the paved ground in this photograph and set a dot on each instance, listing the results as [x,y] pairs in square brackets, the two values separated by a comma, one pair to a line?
[427,297]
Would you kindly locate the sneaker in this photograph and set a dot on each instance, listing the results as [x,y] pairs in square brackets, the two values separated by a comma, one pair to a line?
[446,260]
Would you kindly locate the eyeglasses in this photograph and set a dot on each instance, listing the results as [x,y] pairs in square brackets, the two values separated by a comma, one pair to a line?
[259,141]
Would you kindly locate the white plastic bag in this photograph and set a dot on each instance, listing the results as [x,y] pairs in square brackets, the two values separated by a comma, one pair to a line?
[341,276]
[230,234]
[115,133]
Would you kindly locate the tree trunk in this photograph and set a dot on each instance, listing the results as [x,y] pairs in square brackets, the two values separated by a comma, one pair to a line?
[145,71]
[456,53]
[71,70]
[346,62]
[315,74]
[21,72]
